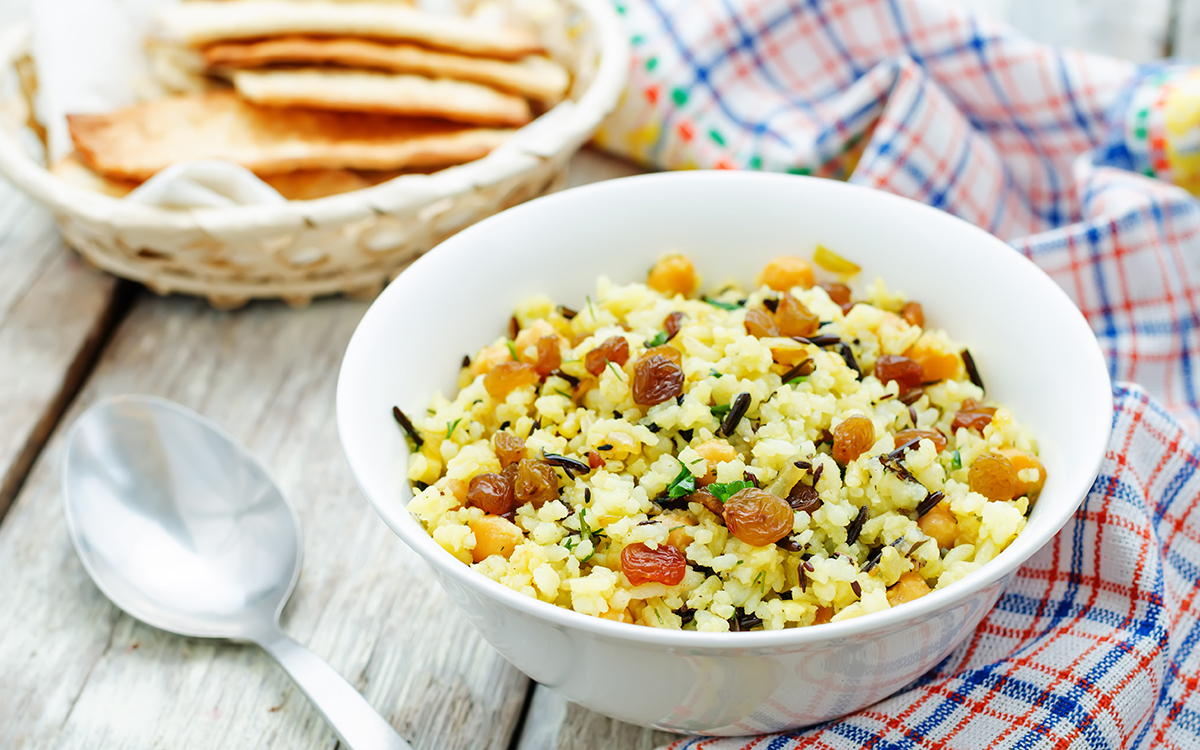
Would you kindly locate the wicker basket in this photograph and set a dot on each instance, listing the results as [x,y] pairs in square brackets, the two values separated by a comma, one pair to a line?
[352,243]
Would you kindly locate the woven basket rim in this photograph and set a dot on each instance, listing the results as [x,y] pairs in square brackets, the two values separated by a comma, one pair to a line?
[565,124]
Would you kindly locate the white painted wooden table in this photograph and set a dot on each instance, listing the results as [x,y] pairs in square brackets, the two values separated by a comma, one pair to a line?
[76,673]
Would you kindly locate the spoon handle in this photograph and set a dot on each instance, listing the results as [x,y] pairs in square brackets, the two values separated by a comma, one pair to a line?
[356,723]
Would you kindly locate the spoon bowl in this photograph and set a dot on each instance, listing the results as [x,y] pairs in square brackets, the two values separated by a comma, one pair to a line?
[176,524]
[182,528]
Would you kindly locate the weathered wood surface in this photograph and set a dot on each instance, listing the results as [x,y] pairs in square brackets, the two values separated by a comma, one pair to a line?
[54,312]
[74,672]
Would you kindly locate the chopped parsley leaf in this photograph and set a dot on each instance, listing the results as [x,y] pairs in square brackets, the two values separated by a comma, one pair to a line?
[683,484]
[512,349]
[956,462]
[727,490]
[659,339]
[451,426]
[723,305]
[720,411]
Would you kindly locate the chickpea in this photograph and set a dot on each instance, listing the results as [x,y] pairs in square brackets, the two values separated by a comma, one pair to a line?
[788,271]
[714,452]
[681,523]
[458,488]
[911,586]
[940,524]
[494,536]
[623,616]
[673,274]
[936,363]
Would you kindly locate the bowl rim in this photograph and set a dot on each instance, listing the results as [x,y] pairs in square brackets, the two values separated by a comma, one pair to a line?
[1005,564]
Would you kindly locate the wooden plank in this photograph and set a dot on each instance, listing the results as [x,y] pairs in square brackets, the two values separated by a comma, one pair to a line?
[553,723]
[1133,29]
[54,312]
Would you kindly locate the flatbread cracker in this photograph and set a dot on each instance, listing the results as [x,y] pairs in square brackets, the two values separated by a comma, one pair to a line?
[303,185]
[202,22]
[137,142]
[355,91]
[534,76]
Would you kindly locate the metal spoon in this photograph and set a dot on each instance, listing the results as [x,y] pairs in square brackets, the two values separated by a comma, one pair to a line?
[182,528]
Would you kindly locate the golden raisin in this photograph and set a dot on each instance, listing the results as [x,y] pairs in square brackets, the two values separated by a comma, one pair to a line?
[994,477]
[940,524]
[787,271]
[913,314]
[838,292]
[709,501]
[1023,461]
[509,448]
[760,323]
[667,351]
[656,379]
[549,355]
[757,517]
[536,483]
[506,376]
[673,274]
[911,586]
[614,349]
[595,460]
[664,564]
[973,415]
[672,323]
[939,440]
[906,372]
[824,615]
[492,493]
[851,438]
[794,319]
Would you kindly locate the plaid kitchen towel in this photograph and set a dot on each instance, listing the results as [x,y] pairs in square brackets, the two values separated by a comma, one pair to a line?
[1082,163]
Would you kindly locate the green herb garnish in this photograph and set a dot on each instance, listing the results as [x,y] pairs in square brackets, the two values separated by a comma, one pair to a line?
[719,411]
[586,531]
[616,370]
[727,490]
[683,484]
[591,309]
[712,373]
[450,427]
[560,392]
[797,379]
[512,349]
[723,305]
[956,462]
[659,339]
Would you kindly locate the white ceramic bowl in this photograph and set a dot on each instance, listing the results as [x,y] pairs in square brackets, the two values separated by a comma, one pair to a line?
[1033,348]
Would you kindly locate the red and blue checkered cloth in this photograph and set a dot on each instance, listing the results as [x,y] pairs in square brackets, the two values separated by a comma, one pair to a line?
[1095,644]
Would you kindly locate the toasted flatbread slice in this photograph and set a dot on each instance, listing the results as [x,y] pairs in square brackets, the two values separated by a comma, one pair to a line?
[304,185]
[202,22]
[534,76]
[354,91]
[137,142]
[72,169]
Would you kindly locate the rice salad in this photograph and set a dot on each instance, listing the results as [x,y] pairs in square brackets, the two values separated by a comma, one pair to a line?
[761,458]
